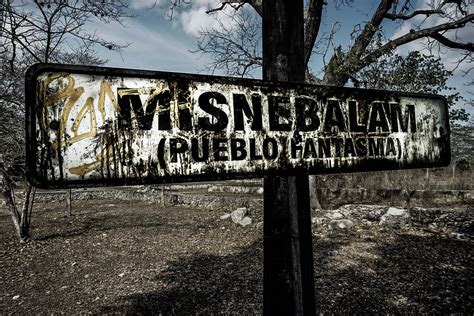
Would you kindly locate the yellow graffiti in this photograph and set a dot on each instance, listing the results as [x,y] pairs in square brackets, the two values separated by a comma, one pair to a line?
[84,169]
[71,94]
[176,106]
[130,91]
[88,107]
[154,92]
[106,90]
[68,96]
[48,100]
[61,94]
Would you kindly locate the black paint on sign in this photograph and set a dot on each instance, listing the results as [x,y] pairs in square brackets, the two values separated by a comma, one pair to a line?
[364,130]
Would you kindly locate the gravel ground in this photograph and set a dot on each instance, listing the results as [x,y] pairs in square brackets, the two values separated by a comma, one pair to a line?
[138,258]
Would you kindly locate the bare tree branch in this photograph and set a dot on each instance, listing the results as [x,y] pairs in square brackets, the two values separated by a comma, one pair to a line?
[175,4]
[312,24]
[368,41]
[256,4]
[394,16]
[225,3]
[457,2]
[413,35]
[30,33]
[452,44]
[339,72]
[234,46]
[364,38]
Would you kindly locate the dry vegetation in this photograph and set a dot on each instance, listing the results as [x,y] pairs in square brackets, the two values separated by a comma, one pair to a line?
[135,257]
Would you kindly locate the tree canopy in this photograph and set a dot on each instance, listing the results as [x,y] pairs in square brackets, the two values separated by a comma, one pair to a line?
[370,59]
[442,19]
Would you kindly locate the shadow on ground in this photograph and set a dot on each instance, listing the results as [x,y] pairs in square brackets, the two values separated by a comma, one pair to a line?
[84,224]
[410,274]
[88,226]
[406,273]
[203,283]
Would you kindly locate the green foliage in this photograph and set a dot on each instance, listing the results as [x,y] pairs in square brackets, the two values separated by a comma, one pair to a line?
[413,73]
[462,142]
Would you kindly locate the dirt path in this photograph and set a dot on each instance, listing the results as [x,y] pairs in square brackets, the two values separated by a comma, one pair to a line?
[138,258]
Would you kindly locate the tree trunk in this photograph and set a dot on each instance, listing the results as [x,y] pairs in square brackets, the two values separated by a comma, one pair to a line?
[162,197]
[313,193]
[69,202]
[427,175]
[21,218]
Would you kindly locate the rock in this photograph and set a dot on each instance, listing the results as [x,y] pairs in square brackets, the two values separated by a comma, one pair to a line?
[145,189]
[334,215]
[361,211]
[443,216]
[395,216]
[225,216]
[260,225]
[433,226]
[238,215]
[245,221]
[332,253]
[458,235]
[393,211]
[16,297]
[374,215]
[341,224]
[317,220]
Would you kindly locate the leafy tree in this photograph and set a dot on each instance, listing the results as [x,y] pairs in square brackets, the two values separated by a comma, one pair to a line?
[462,144]
[416,73]
[367,43]
[42,31]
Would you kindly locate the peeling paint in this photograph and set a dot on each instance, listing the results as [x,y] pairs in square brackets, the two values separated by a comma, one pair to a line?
[103,126]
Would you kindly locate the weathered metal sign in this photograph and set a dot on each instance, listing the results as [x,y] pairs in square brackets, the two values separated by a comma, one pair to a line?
[104,126]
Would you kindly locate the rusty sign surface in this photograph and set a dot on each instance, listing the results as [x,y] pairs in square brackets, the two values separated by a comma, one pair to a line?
[104,126]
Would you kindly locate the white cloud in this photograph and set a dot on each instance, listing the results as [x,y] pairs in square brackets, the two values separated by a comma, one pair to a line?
[152,47]
[449,57]
[145,4]
[195,19]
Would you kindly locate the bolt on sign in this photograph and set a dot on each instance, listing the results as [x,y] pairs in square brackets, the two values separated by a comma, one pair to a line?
[103,126]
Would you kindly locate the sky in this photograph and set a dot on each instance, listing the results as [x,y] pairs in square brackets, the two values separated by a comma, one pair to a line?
[158,42]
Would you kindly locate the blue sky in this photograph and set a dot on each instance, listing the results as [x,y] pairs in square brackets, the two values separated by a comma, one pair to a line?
[158,43]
